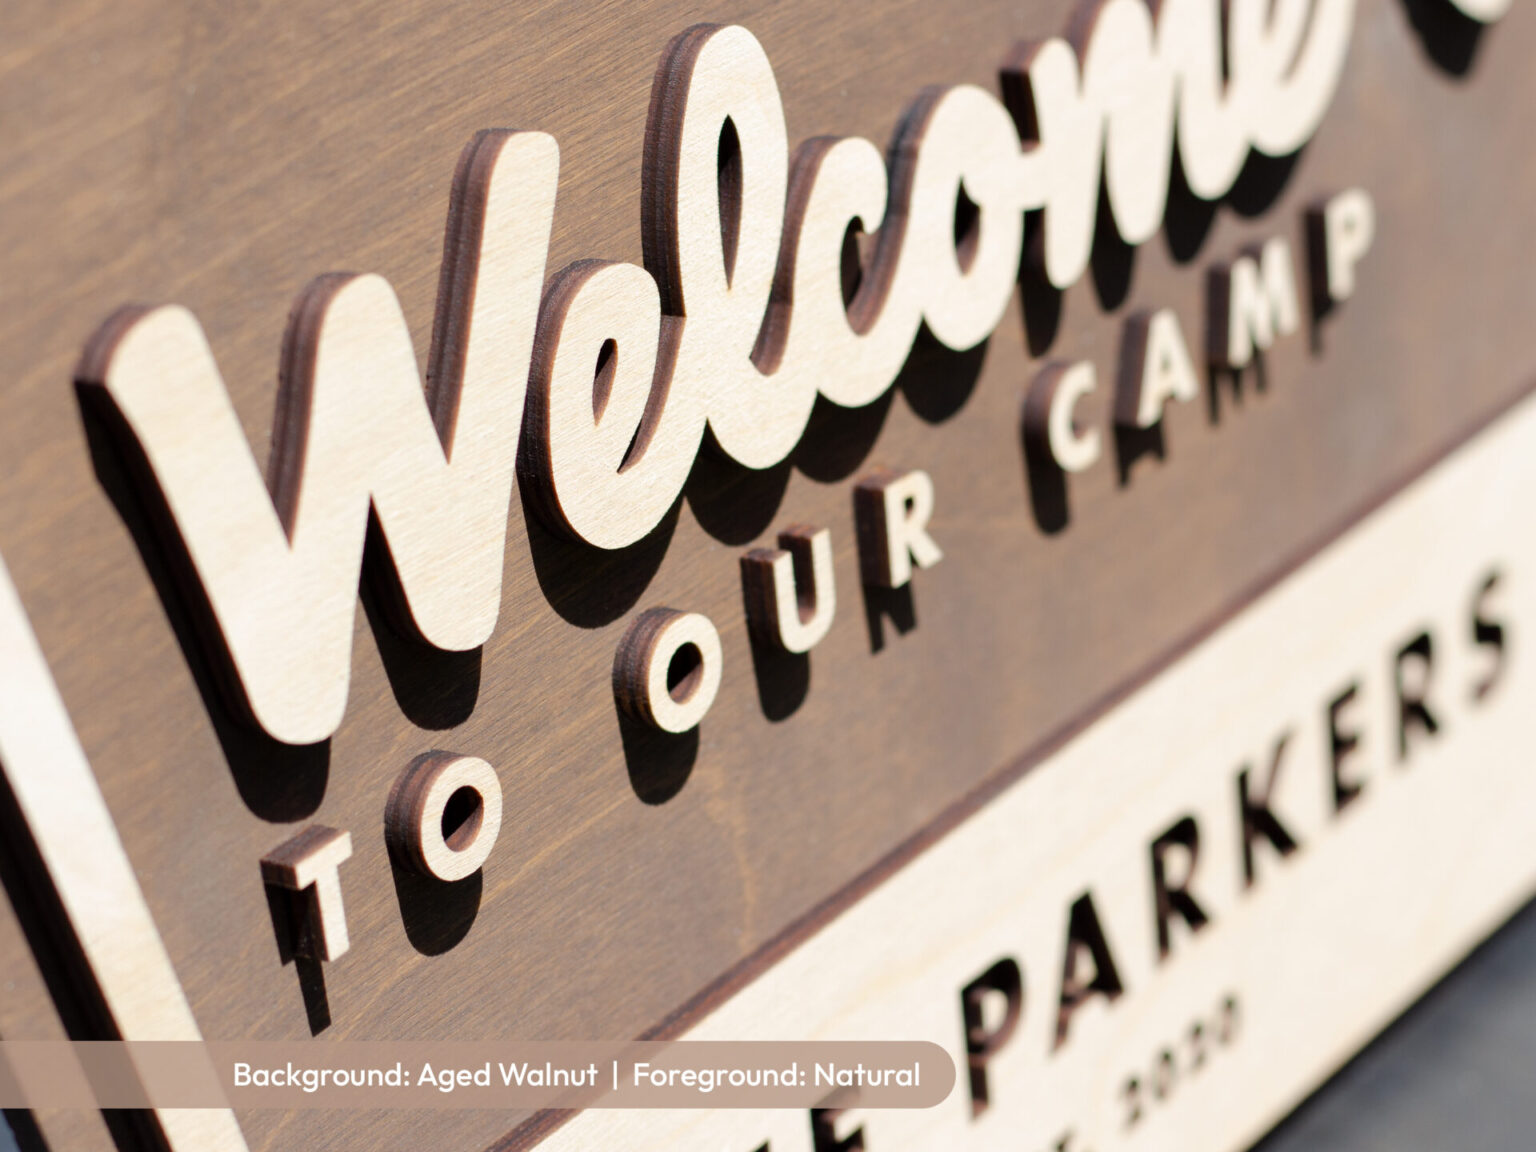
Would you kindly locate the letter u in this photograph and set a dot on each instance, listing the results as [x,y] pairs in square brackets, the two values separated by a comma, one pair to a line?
[790,590]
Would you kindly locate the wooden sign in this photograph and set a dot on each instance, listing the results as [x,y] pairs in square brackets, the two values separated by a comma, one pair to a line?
[992,525]
[1165,932]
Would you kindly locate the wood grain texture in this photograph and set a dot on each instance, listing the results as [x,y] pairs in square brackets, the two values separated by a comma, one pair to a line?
[221,158]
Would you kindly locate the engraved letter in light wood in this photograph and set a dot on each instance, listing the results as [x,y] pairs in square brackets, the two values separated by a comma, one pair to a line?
[668,668]
[414,818]
[1154,368]
[279,561]
[594,461]
[1252,300]
[1049,411]
[310,865]
[730,325]
[789,590]
[134,993]
[1342,228]
[891,513]
[746,259]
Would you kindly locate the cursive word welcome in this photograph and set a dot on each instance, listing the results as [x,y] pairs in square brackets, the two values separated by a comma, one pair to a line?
[598,389]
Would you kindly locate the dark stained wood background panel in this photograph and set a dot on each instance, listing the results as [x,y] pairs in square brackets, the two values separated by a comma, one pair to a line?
[221,158]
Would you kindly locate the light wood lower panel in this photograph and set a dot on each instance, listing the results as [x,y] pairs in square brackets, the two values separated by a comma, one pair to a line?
[1290,975]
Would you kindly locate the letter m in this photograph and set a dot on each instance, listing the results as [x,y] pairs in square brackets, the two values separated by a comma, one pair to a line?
[1251,301]
[277,563]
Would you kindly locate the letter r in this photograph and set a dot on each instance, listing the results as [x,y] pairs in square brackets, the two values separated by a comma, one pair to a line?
[891,514]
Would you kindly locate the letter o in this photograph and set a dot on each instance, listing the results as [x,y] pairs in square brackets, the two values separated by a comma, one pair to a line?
[443,815]
[667,669]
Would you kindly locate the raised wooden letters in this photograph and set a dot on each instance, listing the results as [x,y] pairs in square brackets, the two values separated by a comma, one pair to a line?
[668,668]
[1048,415]
[279,561]
[730,325]
[310,866]
[1252,300]
[443,815]
[892,512]
[790,591]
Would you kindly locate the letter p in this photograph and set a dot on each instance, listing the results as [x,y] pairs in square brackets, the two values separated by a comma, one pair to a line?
[983,1041]
[1340,230]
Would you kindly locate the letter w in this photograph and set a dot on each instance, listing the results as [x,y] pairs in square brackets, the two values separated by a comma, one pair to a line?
[279,563]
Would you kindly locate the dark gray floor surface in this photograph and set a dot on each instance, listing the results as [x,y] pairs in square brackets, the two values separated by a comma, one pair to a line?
[1457,1073]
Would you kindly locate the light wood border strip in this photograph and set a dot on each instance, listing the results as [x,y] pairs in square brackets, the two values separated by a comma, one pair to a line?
[65,843]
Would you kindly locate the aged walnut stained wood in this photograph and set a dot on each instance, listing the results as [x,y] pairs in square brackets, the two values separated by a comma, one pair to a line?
[221,158]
